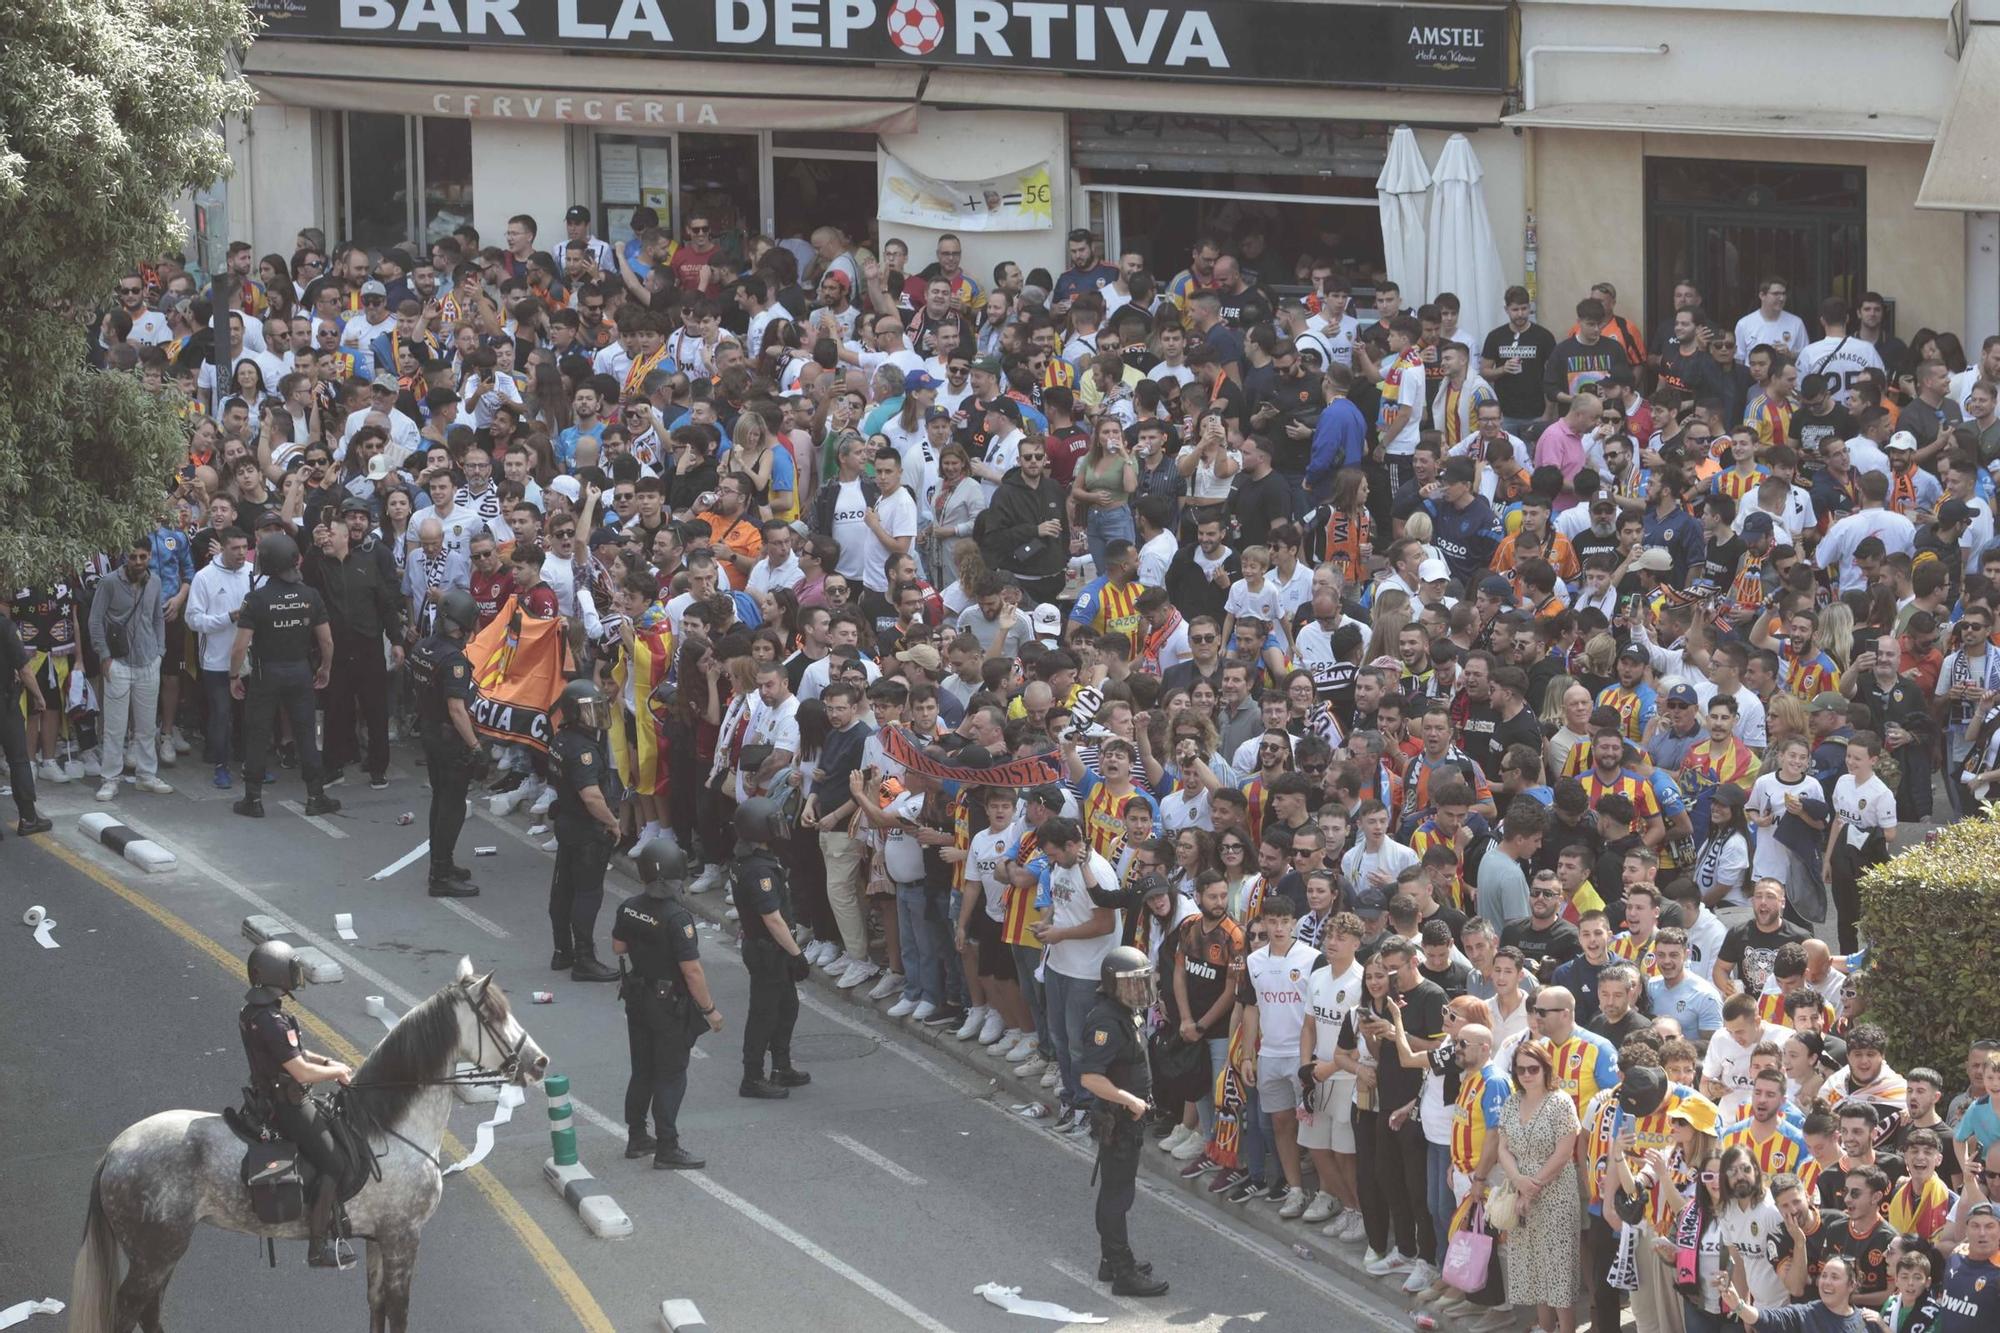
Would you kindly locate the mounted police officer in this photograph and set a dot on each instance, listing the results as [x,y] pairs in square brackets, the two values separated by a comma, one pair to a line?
[452,752]
[281,1069]
[586,831]
[278,628]
[1114,1071]
[763,898]
[667,1003]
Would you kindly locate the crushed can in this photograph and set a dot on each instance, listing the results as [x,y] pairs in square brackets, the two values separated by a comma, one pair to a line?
[544,997]
[485,851]
[405,818]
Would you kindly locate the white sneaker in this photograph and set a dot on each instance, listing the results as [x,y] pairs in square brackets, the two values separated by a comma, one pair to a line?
[1009,1050]
[543,803]
[1385,1265]
[1320,1209]
[50,771]
[164,748]
[729,913]
[857,972]
[923,1011]
[1052,1075]
[1031,1067]
[1294,1204]
[549,846]
[1369,1260]
[902,1008]
[993,1029]
[1497,1320]
[180,742]
[76,768]
[890,984]
[975,1019]
[1174,1139]
[501,804]
[154,786]
[108,791]
[821,952]
[1353,1226]
[1421,1276]
[709,878]
[1193,1146]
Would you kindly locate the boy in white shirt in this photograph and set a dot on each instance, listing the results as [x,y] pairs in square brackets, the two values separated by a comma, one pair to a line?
[1273,999]
[1863,807]
[1327,1128]
[1253,595]
[1375,859]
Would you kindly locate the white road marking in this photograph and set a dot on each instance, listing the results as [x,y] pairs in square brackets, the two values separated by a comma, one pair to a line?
[324,826]
[402,862]
[457,908]
[873,1158]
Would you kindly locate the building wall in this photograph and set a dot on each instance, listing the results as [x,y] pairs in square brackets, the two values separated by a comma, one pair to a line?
[281,187]
[1590,199]
[972,145]
[519,167]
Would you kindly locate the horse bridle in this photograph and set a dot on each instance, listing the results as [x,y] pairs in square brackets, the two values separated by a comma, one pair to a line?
[509,1067]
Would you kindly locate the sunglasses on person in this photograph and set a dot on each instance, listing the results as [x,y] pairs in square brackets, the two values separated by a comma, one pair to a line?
[1203,638]
[1540,1012]
[1544,893]
[123,290]
[697,231]
[1709,1177]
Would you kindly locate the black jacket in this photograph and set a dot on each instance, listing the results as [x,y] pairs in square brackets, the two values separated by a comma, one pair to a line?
[362,597]
[1008,537]
[1192,590]
[829,494]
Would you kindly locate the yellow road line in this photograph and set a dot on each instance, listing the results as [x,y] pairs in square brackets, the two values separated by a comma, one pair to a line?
[589,1315]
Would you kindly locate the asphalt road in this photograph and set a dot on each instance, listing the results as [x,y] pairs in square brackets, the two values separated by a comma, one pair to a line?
[878,1198]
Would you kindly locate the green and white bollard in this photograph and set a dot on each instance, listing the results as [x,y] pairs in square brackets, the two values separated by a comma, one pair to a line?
[562,1124]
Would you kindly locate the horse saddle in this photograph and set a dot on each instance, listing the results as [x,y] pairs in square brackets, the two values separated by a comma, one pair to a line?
[277,1174]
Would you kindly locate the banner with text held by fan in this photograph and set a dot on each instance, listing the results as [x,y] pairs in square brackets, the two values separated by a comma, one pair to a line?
[519,664]
[1016,201]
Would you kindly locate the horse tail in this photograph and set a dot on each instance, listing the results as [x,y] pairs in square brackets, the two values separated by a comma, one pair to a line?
[93,1284]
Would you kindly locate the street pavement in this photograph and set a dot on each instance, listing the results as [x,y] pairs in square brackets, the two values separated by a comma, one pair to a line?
[877,1198]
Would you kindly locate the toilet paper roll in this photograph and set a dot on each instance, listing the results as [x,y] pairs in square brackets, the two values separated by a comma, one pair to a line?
[34,916]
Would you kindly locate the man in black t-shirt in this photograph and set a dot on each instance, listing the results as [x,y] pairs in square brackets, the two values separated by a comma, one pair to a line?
[1805,1221]
[1513,359]
[1543,937]
[1866,1235]
[1399,1135]
[1749,949]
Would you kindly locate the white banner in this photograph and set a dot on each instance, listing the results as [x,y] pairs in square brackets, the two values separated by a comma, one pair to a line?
[1017,201]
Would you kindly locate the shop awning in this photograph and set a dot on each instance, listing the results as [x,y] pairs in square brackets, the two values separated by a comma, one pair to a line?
[983,88]
[1753,122]
[611,91]
[1964,170]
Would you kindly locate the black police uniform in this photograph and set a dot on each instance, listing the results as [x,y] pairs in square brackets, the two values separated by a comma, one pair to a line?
[442,673]
[759,885]
[281,615]
[583,849]
[13,735]
[661,1018]
[270,1040]
[1114,1047]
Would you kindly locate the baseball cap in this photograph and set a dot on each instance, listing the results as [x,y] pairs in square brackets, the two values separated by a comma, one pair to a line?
[1496,585]
[1154,886]
[936,414]
[838,279]
[922,655]
[374,288]
[1954,511]
[1371,901]
[1654,559]
[1983,1210]
[1828,701]
[1757,525]
[1681,694]
[919,379]
[1006,407]
[378,467]
[568,488]
[1642,1091]
[1432,570]
[989,364]
[1902,439]
[1632,652]
[1047,622]
[271,518]
[577,213]
[1730,794]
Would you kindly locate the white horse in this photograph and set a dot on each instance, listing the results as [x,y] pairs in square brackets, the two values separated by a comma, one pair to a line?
[172,1171]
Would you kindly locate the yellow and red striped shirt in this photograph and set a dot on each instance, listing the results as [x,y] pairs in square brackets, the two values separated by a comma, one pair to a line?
[1586,1064]
[1020,910]
[1636,952]
[1476,1114]
[1782,1150]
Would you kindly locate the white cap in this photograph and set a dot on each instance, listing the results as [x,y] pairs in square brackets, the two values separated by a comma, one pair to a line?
[378,467]
[1047,621]
[568,488]
[1432,570]
[1902,439]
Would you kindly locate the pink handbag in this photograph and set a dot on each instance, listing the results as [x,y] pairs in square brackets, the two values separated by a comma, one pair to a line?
[1470,1254]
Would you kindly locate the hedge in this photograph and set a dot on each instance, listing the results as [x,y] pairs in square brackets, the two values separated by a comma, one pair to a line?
[1930,917]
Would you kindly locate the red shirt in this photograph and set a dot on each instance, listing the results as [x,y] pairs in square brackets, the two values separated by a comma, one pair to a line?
[1065,448]
[688,263]
[540,600]
[491,591]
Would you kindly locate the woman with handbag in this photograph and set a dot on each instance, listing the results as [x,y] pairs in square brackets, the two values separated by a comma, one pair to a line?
[1537,1158]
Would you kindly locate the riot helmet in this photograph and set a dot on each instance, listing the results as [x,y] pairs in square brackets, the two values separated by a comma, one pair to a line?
[1126,976]
[663,867]
[458,608]
[581,705]
[758,821]
[274,969]
[277,556]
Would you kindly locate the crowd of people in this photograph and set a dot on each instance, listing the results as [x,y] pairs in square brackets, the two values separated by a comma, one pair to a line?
[1484,731]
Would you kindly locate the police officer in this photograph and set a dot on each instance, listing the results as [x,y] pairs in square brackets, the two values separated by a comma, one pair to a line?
[14,678]
[586,831]
[278,628]
[452,753]
[281,1069]
[667,1004]
[1113,1069]
[763,899]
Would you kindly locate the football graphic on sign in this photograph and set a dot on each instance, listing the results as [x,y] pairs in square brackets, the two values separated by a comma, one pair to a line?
[916,26]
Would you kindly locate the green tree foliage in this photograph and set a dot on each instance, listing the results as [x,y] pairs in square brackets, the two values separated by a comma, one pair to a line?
[1932,916]
[110,111]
